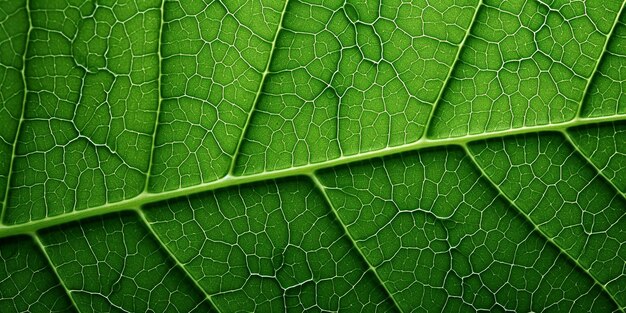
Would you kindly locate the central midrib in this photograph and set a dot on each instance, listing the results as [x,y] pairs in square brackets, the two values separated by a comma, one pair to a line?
[228,181]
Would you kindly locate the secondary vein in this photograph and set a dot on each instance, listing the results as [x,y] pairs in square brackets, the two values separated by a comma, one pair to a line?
[233,162]
[20,122]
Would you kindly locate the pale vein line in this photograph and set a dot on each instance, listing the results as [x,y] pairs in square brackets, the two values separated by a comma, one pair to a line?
[457,58]
[160,101]
[146,197]
[536,228]
[42,247]
[609,38]
[196,284]
[602,55]
[598,170]
[322,189]
[229,180]
[20,122]
[235,155]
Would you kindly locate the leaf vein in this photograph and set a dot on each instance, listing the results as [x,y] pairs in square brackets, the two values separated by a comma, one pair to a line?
[528,220]
[320,187]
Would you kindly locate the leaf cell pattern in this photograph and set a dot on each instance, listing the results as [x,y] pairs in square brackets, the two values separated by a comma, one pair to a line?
[268,155]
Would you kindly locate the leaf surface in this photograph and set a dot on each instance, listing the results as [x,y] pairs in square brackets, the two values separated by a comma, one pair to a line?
[457,155]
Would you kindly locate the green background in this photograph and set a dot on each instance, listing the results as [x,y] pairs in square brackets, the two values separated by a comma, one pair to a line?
[264,155]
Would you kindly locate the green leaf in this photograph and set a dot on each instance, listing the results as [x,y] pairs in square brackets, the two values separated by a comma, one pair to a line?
[456,155]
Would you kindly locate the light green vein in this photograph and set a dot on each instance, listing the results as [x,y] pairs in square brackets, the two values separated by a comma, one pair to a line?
[371,268]
[233,162]
[54,269]
[160,97]
[609,36]
[148,226]
[598,170]
[146,198]
[19,124]
[528,220]
[454,65]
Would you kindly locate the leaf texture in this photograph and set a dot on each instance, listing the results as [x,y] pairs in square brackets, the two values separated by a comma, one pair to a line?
[267,155]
